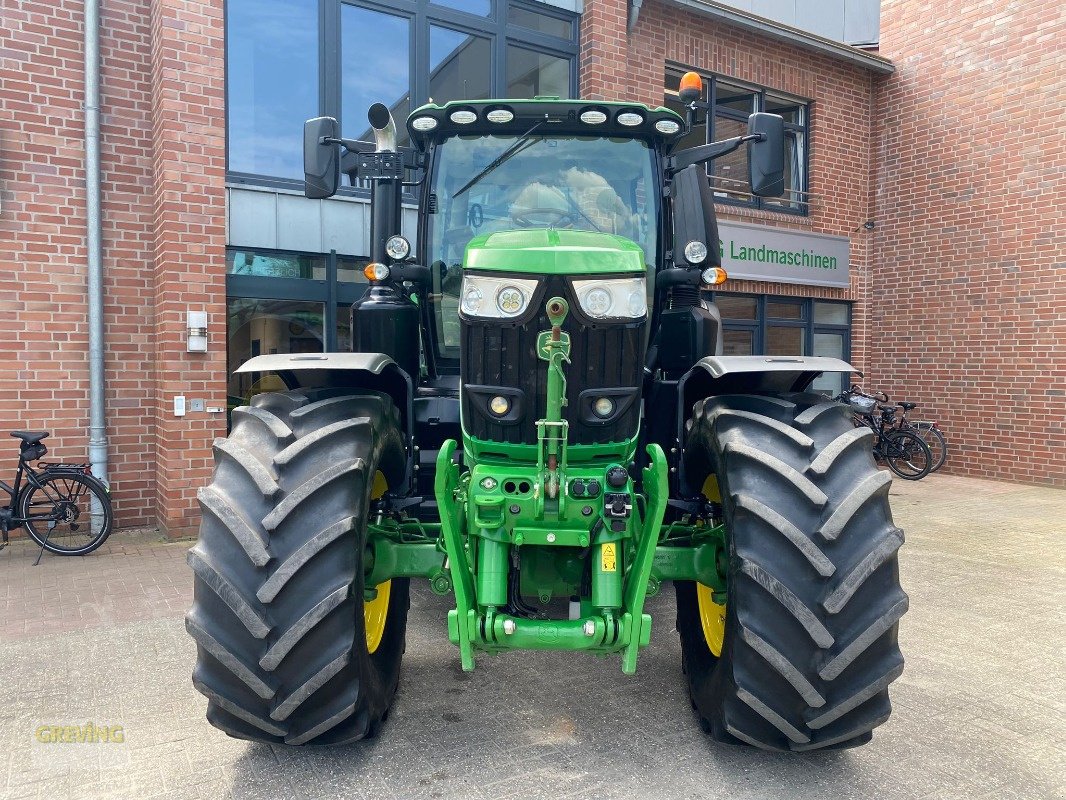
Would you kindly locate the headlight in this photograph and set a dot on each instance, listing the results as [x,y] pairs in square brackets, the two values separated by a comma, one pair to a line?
[493,297]
[625,298]
[397,247]
[695,252]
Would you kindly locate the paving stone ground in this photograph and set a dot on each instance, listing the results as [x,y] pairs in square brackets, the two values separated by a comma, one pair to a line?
[980,712]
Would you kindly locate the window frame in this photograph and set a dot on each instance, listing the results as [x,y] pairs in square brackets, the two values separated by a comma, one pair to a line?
[421,14]
[329,291]
[758,326]
[802,130]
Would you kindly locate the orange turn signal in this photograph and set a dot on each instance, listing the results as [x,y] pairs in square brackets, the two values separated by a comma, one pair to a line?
[690,88]
[375,271]
[713,276]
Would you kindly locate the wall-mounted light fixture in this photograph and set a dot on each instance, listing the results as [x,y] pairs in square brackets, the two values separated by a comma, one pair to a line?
[196,321]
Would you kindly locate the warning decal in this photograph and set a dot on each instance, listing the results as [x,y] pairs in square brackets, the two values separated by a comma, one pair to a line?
[608,558]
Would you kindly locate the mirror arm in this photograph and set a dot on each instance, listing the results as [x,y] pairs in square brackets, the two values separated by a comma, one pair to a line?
[352,145]
[708,152]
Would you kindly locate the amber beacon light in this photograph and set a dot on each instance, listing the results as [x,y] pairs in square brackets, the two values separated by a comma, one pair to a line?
[691,87]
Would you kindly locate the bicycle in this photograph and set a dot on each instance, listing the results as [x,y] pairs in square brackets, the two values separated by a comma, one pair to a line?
[930,433]
[63,507]
[904,451]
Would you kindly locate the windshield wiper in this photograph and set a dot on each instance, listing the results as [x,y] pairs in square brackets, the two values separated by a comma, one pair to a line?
[520,143]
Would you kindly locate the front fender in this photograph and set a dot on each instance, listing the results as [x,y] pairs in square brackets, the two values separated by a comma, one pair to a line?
[742,374]
[718,375]
[374,371]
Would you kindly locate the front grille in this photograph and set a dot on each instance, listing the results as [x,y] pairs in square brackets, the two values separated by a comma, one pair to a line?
[603,355]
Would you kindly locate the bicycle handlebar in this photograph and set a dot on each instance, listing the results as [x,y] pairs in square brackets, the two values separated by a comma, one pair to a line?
[880,397]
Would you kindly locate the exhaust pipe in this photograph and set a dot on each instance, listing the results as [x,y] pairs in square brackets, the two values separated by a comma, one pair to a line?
[384,128]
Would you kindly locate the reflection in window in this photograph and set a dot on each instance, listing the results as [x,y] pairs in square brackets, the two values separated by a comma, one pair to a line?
[553,26]
[831,345]
[530,74]
[736,306]
[831,313]
[481,8]
[271,83]
[265,327]
[731,171]
[738,343]
[275,265]
[277,57]
[375,68]
[784,341]
[781,310]
[735,98]
[459,66]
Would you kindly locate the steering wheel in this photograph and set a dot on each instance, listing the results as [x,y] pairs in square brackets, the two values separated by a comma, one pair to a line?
[555,218]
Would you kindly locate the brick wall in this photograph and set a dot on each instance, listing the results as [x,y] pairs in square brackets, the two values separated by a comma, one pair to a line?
[42,229]
[189,244]
[163,218]
[840,128]
[969,295]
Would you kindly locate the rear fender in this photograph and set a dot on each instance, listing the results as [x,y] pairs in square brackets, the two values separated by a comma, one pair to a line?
[718,375]
[356,371]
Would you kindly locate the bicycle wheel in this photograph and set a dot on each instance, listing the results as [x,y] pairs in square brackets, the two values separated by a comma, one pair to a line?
[60,513]
[906,454]
[935,440]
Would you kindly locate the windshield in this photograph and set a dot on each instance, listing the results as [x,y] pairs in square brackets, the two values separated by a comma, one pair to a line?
[581,182]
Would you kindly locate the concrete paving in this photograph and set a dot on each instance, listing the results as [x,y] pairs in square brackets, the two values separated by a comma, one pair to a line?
[980,711]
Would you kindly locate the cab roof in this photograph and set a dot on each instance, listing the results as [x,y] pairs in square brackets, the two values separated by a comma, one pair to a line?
[516,117]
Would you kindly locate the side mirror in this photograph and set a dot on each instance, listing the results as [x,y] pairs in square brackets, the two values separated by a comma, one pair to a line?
[693,217]
[322,162]
[766,157]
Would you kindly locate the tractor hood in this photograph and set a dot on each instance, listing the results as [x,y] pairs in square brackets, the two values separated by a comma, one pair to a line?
[554,252]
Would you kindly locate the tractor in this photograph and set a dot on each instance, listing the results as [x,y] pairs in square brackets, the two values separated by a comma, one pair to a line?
[535,416]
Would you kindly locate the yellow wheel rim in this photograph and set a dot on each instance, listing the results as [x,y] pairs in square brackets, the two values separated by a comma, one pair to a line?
[712,618]
[375,614]
[712,614]
[376,611]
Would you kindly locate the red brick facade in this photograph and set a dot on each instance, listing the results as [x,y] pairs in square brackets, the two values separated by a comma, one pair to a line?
[163,177]
[969,292]
[840,127]
[957,157]
[42,238]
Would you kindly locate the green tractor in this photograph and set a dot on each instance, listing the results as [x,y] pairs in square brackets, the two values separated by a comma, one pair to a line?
[536,417]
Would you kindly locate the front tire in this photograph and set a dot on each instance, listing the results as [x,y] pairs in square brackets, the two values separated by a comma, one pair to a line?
[288,650]
[813,598]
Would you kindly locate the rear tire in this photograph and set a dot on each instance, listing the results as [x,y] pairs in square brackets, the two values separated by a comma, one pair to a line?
[68,497]
[906,454]
[278,603]
[934,440]
[813,596]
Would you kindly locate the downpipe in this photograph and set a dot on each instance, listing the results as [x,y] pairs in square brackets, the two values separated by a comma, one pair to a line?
[94,250]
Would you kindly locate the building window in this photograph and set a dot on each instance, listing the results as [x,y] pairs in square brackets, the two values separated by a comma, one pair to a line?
[271,83]
[731,103]
[289,60]
[757,325]
[278,302]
